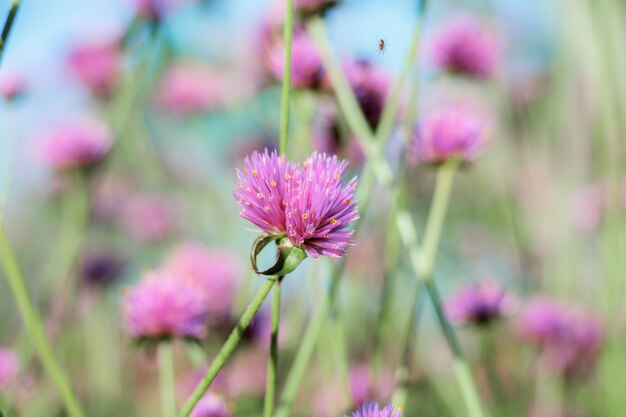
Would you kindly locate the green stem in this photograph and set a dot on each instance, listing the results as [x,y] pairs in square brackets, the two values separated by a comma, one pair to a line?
[8,25]
[167,379]
[495,382]
[229,346]
[286,88]
[463,373]
[34,325]
[272,364]
[5,186]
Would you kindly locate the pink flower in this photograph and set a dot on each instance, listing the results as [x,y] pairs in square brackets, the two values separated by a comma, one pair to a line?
[372,409]
[448,132]
[163,305]
[308,203]
[148,217]
[312,6]
[466,47]
[156,9]
[570,339]
[190,88]
[306,63]
[371,86]
[9,367]
[214,272]
[211,405]
[478,304]
[96,65]
[76,145]
[364,386]
[12,85]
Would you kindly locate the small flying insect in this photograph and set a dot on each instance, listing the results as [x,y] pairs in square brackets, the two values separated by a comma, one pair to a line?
[382,46]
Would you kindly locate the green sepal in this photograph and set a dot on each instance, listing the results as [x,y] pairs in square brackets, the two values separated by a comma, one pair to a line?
[288,257]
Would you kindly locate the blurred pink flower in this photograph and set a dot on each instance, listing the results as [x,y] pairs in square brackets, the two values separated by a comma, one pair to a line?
[214,272]
[211,405]
[306,63]
[371,86]
[76,145]
[452,131]
[465,46]
[570,339]
[479,304]
[307,203]
[190,88]
[312,6]
[9,367]
[157,9]
[12,85]
[148,217]
[365,386]
[163,305]
[96,64]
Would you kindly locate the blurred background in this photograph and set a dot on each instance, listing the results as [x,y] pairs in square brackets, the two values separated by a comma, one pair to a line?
[185,90]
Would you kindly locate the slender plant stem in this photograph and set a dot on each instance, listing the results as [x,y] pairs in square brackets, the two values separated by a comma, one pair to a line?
[286,89]
[167,379]
[34,325]
[229,346]
[421,261]
[8,25]
[272,364]
[463,373]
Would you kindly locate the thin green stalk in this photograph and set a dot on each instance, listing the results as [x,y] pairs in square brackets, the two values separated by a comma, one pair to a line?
[5,186]
[167,379]
[272,364]
[401,393]
[421,261]
[495,382]
[34,326]
[8,25]
[229,346]
[463,373]
[286,88]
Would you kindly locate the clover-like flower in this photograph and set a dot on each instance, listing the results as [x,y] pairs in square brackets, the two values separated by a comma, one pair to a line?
[308,206]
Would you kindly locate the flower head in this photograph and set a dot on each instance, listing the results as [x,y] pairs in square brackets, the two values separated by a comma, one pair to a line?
[465,46]
[372,409]
[570,339]
[163,305]
[448,132]
[189,88]
[12,85]
[76,145]
[9,367]
[214,272]
[101,269]
[211,405]
[479,304]
[308,203]
[371,86]
[148,217]
[96,65]
[320,208]
[307,69]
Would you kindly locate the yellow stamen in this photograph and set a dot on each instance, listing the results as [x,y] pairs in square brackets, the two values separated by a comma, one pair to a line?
[333,221]
[273,184]
[305,216]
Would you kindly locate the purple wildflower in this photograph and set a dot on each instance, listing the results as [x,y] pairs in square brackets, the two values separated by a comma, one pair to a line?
[478,304]
[214,272]
[372,409]
[12,85]
[452,131]
[101,269]
[570,339]
[9,367]
[190,88]
[306,67]
[320,209]
[76,145]
[163,305]
[371,86]
[307,203]
[465,46]
[211,405]
[96,64]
